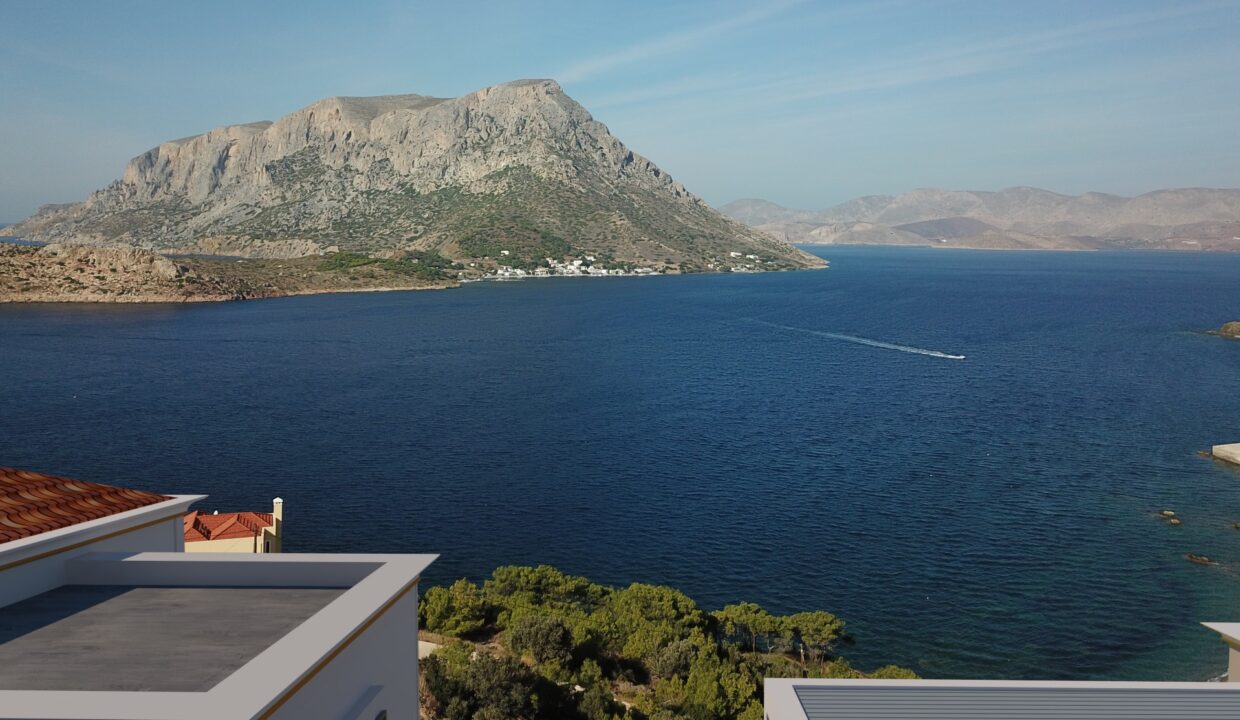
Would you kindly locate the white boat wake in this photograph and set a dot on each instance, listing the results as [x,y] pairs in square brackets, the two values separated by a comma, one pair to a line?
[862,341]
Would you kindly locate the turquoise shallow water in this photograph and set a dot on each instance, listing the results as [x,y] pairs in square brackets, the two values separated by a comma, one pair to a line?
[797,439]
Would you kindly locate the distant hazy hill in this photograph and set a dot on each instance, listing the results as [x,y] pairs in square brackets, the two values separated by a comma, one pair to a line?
[1184,219]
[518,171]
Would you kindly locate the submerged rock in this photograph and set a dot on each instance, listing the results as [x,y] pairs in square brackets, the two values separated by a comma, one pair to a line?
[1198,559]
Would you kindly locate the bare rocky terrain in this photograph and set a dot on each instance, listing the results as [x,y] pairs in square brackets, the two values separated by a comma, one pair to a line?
[1016,218]
[80,273]
[515,175]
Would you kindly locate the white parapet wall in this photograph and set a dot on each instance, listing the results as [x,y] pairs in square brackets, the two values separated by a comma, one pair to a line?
[354,659]
[1230,453]
[35,564]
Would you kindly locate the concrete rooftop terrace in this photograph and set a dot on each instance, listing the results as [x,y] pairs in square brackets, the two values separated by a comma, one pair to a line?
[253,636]
[106,637]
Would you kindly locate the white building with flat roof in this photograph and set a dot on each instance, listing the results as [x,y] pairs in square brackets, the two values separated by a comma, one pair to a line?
[103,616]
[807,699]
[792,699]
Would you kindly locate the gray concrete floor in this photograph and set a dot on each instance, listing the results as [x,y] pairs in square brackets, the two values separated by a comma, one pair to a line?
[82,637]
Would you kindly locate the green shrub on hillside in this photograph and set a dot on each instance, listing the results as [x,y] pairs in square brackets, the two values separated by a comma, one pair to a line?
[345,261]
[461,684]
[456,610]
[647,644]
[425,264]
[546,638]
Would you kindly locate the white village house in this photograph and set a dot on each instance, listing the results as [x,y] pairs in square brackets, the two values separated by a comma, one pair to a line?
[104,616]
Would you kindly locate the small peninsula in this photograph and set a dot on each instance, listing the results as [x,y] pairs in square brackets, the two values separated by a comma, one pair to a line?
[78,273]
[124,274]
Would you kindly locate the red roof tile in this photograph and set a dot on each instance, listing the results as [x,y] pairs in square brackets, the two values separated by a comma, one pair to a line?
[33,503]
[224,526]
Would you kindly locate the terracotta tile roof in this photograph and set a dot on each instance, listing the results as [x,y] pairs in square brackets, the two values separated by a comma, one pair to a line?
[225,526]
[33,503]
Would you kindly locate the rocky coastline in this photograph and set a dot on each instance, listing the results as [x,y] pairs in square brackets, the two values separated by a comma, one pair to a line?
[85,274]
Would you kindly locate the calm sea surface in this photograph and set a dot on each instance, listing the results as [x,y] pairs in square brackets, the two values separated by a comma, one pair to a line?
[730,435]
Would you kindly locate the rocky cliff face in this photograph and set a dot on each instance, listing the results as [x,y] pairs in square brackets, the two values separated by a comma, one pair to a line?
[1021,217]
[518,167]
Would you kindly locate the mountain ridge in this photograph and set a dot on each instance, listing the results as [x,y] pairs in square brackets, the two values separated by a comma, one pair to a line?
[517,173]
[1019,217]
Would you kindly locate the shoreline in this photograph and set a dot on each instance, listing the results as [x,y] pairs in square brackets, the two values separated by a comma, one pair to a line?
[44,299]
[211,280]
[1198,251]
[205,299]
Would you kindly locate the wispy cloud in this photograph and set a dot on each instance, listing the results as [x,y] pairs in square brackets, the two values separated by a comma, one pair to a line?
[688,86]
[903,67]
[966,59]
[63,60]
[679,41]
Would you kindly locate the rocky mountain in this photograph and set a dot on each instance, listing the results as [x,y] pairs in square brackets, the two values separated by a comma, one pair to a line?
[509,175]
[1020,217]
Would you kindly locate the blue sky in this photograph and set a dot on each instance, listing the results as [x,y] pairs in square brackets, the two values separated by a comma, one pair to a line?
[804,103]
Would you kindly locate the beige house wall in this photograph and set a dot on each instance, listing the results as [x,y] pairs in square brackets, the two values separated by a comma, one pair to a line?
[270,540]
[230,545]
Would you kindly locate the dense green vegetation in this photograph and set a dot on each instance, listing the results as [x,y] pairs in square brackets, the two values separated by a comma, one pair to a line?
[537,643]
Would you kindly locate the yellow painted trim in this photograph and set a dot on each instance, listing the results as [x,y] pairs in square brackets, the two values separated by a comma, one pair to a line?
[75,546]
[305,679]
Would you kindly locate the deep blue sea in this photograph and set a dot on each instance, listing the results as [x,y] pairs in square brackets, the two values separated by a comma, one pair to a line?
[731,435]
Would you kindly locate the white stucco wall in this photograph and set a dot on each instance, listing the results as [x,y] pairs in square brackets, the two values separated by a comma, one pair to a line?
[377,671]
[37,564]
